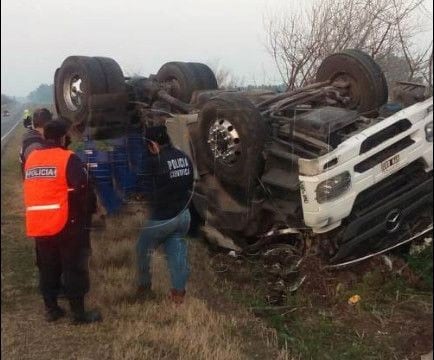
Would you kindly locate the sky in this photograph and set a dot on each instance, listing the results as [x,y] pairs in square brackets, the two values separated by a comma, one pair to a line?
[141,35]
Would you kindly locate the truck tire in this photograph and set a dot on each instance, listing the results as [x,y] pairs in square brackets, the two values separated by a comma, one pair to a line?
[115,81]
[204,75]
[56,102]
[231,139]
[370,62]
[368,86]
[182,79]
[78,78]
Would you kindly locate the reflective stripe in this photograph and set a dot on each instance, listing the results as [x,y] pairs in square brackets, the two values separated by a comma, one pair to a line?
[71,190]
[43,207]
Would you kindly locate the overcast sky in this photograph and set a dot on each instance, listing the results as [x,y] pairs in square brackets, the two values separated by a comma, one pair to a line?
[141,35]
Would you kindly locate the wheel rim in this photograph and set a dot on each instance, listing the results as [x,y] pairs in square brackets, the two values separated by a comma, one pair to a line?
[224,142]
[73,92]
[173,87]
[353,89]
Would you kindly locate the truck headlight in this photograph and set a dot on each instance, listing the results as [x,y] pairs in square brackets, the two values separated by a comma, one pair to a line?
[429,131]
[333,188]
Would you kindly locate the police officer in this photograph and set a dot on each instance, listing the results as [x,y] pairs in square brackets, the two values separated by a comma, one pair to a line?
[168,184]
[33,138]
[55,189]
[27,119]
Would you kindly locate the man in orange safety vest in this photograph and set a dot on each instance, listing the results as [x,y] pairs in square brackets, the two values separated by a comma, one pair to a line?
[56,196]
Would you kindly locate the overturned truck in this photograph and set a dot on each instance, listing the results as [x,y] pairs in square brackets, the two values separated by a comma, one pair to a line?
[333,161]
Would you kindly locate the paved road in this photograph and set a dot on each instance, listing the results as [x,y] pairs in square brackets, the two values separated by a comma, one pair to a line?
[8,122]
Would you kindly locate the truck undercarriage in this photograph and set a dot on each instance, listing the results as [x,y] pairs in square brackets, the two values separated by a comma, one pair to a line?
[333,160]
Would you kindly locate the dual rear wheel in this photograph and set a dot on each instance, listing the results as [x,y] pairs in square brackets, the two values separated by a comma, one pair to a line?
[92,93]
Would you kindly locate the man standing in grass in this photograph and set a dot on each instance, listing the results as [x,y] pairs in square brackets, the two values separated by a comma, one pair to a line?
[56,193]
[169,185]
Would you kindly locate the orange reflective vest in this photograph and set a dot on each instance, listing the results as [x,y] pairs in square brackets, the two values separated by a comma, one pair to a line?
[46,191]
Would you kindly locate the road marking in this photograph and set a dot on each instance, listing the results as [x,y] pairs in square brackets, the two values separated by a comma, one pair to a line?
[12,129]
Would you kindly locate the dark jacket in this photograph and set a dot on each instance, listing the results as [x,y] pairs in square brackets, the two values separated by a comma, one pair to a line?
[168,182]
[32,140]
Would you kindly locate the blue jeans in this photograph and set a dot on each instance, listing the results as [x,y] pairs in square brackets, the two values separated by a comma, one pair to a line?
[169,233]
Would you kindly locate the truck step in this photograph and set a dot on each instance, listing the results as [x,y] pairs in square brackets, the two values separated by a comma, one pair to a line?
[281,178]
[286,208]
[281,153]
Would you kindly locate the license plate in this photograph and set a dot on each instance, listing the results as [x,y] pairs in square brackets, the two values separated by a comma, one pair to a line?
[390,163]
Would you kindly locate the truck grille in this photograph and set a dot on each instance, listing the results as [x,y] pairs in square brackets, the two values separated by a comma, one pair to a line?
[384,135]
[391,187]
[383,155]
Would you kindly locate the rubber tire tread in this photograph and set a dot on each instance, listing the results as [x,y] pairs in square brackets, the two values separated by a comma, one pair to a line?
[204,75]
[56,101]
[93,77]
[369,61]
[115,80]
[374,92]
[186,78]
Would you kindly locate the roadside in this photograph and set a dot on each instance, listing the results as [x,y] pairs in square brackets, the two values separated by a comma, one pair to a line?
[237,307]
[389,315]
[9,123]
[208,326]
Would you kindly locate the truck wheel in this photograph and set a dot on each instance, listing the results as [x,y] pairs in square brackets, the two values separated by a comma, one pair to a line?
[231,139]
[180,79]
[204,75]
[56,102]
[81,77]
[368,86]
[115,81]
[78,78]
[370,62]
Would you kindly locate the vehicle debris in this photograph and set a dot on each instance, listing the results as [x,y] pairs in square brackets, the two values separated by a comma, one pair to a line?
[418,248]
[297,285]
[232,254]
[388,262]
[216,237]
[428,356]
[331,167]
[355,299]
[351,262]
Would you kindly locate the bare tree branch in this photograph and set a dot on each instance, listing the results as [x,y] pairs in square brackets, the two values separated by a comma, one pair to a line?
[384,28]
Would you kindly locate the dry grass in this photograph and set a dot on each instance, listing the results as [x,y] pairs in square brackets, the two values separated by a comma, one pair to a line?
[206,327]
[160,329]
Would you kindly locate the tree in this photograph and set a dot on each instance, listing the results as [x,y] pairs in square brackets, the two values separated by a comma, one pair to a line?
[225,77]
[43,94]
[6,100]
[385,29]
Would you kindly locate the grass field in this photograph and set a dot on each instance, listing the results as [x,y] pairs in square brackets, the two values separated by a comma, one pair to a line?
[226,315]
[392,320]
[207,326]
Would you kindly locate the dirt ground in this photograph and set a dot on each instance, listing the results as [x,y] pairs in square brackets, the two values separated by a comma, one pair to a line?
[237,307]
[207,326]
[392,319]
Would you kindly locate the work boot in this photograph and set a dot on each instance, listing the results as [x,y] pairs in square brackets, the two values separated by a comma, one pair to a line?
[177,296]
[79,315]
[62,292]
[53,311]
[54,314]
[145,293]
